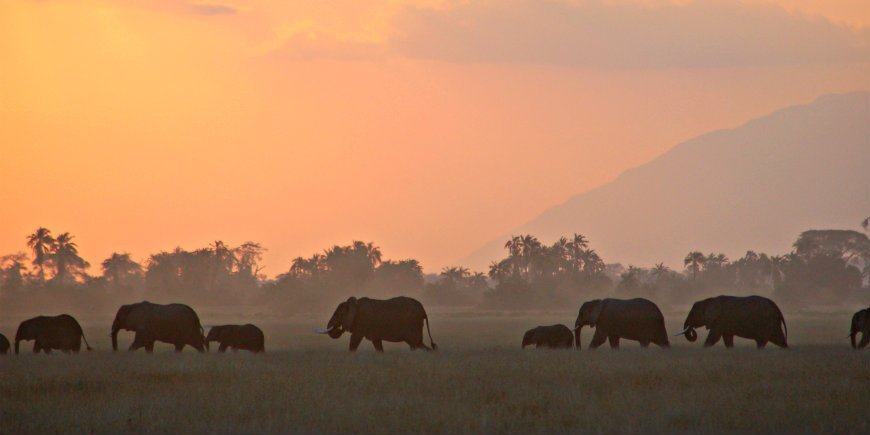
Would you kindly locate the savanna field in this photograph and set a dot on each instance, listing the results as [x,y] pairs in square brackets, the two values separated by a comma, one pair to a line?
[479,381]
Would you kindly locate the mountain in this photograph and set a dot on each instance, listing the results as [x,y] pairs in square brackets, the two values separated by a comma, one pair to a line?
[752,187]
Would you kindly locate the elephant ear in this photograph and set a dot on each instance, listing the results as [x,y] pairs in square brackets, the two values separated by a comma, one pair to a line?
[596,313]
[350,314]
[712,311]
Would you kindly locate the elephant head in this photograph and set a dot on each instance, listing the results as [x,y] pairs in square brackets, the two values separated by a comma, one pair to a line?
[342,319]
[703,313]
[588,316]
[528,337]
[859,323]
[217,333]
[26,331]
[128,318]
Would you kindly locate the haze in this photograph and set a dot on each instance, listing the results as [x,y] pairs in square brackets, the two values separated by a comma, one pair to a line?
[428,127]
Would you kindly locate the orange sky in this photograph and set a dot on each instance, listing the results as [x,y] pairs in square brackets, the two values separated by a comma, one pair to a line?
[428,128]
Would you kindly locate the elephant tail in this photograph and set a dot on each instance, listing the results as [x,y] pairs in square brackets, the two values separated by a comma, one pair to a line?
[87,345]
[431,342]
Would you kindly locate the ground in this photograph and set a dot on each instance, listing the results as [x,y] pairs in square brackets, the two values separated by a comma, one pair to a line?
[479,381]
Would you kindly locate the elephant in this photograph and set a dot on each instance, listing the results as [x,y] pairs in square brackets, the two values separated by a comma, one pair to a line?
[399,319]
[753,317]
[633,319]
[4,345]
[61,332]
[175,324]
[551,337]
[860,323]
[246,337]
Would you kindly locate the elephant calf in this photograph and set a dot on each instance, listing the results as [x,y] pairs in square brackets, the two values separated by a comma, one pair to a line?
[753,317]
[61,332]
[4,345]
[551,337]
[245,337]
[860,323]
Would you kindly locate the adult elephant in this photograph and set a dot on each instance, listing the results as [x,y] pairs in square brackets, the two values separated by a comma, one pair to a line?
[860,323]
[4,345]
[176,324]
[753,317]
[551,337]
[245,337]
[61,332]
[632,319]
[399,319]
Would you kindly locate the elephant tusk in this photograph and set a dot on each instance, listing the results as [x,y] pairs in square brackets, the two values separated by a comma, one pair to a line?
[683,331]
[322,331]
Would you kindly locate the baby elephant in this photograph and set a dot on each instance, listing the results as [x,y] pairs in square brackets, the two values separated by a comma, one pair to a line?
[552,337]
[4,345]
[246,337]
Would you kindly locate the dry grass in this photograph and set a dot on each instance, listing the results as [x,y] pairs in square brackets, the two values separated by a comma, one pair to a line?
[480,381]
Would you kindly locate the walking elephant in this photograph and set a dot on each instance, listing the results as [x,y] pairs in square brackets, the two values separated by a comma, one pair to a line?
[176,324]
[4,345]
[551,337]
[753,317]
[632,319]
[61,332]
[860,323]
[399,319]
[245,337]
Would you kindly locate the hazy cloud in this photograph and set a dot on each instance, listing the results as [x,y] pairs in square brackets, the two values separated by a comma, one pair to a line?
[598,34]
[212,9]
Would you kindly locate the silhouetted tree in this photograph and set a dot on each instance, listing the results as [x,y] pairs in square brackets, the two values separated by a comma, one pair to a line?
[12,271]
[66,260]
[119,270]
[694,261]
[40,242]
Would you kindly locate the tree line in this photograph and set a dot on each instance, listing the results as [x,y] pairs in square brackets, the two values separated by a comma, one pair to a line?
[824,267]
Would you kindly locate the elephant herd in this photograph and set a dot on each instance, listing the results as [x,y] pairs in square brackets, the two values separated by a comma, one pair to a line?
[176,324]
[401,319]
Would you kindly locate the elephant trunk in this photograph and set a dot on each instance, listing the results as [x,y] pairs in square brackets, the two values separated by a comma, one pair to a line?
[17,340]
[852,337]
[577,337]
[114,340]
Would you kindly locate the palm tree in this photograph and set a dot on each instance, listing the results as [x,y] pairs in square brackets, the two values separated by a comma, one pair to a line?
[693,261]
[66,259]
[40,242]
[660,270]
[119,267]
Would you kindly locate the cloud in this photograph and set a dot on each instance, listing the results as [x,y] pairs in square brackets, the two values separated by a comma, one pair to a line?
[603,34]
[212,9]
[310,44]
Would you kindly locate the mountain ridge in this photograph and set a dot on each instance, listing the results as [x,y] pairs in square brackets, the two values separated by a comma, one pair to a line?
[787,157]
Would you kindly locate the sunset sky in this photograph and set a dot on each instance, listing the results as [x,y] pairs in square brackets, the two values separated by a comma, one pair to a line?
[427,127]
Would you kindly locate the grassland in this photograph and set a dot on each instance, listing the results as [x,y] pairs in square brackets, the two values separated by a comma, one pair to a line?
[479,381]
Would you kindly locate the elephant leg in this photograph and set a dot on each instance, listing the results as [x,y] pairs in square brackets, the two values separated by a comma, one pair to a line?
[37,347]
[223,347]
[379,345]
[760,343]
[614,341]
[644,343]
[149,347]
[355,340]
[729,340]
[597,339]
[712,338]
[179,347]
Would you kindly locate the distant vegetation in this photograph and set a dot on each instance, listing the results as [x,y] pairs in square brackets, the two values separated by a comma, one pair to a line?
[827,267]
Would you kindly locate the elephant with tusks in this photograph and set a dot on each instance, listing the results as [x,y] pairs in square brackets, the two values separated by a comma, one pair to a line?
[753,317]
[860,324]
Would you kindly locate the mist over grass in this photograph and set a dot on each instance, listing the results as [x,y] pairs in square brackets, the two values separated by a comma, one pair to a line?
[479,381]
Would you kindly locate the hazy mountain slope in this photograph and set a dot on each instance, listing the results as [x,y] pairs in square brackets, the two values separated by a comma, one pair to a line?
[753,187]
